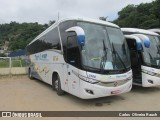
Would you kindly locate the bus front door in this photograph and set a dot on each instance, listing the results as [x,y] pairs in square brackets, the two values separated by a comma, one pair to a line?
[73,58]
[135,57]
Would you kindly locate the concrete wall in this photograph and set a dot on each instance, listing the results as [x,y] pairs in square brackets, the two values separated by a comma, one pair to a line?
[13,71]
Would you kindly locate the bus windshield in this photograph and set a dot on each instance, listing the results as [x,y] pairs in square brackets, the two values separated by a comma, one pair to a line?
[152,54]
[105,47]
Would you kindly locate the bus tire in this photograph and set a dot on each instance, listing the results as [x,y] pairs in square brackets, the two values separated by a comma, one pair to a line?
[57,86]
[54,77]
[30,74]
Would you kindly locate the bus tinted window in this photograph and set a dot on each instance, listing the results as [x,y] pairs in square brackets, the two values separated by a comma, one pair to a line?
[52,39]
[48,41]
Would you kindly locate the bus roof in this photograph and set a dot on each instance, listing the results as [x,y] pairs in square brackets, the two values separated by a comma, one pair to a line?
[91,20]
[140,31]
[156,30]
[77,19]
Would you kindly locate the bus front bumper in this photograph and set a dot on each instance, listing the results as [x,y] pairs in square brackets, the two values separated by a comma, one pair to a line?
[89,91]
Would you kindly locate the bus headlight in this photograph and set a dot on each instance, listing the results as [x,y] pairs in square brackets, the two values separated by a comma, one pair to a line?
[92,81]
[149,72]
[129,78]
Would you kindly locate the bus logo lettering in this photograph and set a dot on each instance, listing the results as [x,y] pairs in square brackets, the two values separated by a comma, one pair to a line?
[92,76]
[55,58]
[41,57]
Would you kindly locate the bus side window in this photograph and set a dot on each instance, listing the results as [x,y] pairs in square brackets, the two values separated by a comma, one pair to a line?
[72,51]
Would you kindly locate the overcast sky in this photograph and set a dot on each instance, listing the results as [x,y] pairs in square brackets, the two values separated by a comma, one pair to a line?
[43,11]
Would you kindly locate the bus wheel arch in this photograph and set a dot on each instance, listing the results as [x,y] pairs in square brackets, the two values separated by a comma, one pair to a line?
[56,84]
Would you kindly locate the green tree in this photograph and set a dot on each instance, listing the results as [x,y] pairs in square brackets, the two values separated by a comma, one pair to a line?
[145,15]
[19,35]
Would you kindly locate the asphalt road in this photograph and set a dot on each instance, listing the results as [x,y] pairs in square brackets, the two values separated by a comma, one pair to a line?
[22,94]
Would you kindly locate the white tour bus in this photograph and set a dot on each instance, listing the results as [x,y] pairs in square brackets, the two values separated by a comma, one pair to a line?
[145,56]
[84,57]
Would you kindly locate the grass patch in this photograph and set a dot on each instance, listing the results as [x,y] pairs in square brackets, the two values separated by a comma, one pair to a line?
[15,63]
[4,64]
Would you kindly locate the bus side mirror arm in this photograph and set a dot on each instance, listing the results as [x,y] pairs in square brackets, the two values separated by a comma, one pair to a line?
[80,34]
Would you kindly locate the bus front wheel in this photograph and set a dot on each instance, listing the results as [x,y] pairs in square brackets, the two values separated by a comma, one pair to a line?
[57,86]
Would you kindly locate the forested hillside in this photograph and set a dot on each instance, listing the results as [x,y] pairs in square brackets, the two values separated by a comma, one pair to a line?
[140,16]
[19,35]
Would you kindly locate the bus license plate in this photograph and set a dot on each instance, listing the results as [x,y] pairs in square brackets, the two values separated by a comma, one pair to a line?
[115,92]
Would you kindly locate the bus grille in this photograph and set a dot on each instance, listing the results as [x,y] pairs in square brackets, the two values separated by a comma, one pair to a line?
[113,84]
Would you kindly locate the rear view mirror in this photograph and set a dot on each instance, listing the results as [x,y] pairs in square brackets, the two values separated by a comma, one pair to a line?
[139,45]
[80,34]
[147,43]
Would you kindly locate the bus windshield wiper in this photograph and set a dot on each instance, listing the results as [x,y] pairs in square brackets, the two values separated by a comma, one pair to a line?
[104,58]
[115,52]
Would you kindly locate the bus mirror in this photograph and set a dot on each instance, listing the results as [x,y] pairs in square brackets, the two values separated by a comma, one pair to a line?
[80,34]
[147,43]
[139,46]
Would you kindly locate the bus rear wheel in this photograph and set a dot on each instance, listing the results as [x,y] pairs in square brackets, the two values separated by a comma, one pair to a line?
[30,74]
[57,86]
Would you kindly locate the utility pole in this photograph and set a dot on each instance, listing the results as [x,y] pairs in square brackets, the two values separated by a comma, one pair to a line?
[58,15]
